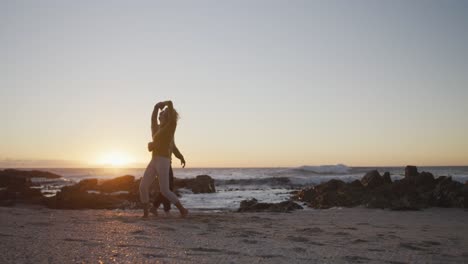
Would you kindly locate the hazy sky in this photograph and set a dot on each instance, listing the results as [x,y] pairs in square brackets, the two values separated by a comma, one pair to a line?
[257,83]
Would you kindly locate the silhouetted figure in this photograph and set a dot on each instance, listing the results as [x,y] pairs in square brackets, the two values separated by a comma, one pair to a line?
[160,199]
[161,161]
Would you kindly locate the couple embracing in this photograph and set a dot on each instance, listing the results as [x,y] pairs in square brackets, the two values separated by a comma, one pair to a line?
[160,164]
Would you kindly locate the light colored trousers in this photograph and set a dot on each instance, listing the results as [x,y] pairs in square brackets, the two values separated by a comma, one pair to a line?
[158,166]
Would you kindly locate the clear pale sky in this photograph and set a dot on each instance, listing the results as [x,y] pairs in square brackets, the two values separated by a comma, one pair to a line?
[257,83]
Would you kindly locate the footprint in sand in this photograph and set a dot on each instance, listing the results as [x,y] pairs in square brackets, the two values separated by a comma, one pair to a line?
[356,259]
[350,228]
[166,228]
[360,241]
[395,262]
[207,250]
[431,243]
[150,255]
[341,234]
[411,246]
[299,249]
[137,246]
[75,240]
[297,239]
[248,241]
[93,243]
[268,256]
[137,232]
[191,226]
[213,251]
[309,230]
[363,224]
[316,243]
[40,224]
[376,250]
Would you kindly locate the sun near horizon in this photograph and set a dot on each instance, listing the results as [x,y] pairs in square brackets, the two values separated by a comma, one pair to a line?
[116,159]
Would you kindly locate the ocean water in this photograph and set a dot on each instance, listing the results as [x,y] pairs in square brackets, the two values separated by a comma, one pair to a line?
[236,184]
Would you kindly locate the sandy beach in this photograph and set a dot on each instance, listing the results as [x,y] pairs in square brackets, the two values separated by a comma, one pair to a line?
[350,235]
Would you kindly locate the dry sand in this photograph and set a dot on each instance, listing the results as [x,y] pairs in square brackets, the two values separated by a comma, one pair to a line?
[354,235]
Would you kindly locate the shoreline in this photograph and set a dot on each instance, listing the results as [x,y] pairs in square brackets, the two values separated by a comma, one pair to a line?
[339,235]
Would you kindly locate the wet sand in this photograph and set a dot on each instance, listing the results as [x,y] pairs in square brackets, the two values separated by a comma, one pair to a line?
[349,235]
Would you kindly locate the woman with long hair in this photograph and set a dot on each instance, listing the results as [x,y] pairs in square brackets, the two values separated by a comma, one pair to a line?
[161,160]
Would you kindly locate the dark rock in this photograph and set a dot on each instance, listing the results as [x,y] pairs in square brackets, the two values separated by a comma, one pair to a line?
[424,179]
[331,185]
[414,192]
[254,206]
[70,198]
[328,200]
[88,194]
[441,179]
[15,183]
[465,194]
[407,202]
[248,203]
[28,174]
[123,183]
[5,198]
[201,184]
[306,195]
[372,179]
[386,178]
[448,193]
[16,186]
[87,184]
[354,193]
[411,171]
[333,193]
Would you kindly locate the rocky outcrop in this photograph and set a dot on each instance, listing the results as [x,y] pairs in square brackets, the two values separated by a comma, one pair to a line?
[372,179]
[201,184]
[85,185]
[16,186]
[27,174]
[415,191]
[71,198]
[120,192]
[411,171]
[332,193]
[123,183]
[253,205]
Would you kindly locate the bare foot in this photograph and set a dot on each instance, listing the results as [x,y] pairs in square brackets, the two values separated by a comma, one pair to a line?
[183,213]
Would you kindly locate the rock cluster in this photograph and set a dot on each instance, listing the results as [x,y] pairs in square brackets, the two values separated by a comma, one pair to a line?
[415,191]
[120,192]
[201,184]
[16,185]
